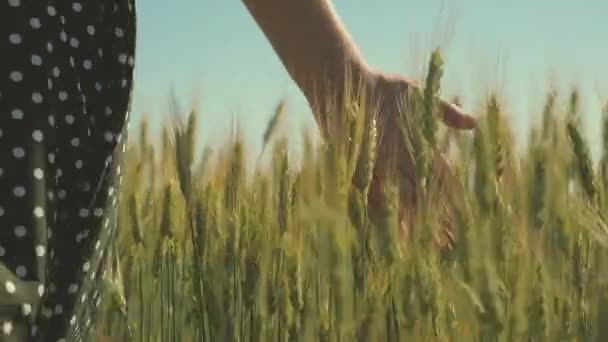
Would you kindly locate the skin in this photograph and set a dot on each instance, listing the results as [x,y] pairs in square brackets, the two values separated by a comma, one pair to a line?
[319,54]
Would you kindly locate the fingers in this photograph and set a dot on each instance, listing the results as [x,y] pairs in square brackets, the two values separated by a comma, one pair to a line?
[453,116]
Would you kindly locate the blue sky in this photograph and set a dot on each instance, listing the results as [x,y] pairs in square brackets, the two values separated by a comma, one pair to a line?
[212,50]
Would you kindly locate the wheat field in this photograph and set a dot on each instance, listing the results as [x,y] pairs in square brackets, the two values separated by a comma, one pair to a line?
[208,251]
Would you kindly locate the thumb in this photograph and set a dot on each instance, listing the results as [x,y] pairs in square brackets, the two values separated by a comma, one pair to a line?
[454,117]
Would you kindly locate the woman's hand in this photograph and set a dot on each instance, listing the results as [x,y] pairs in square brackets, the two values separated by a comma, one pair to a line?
[317,52]
[389,90]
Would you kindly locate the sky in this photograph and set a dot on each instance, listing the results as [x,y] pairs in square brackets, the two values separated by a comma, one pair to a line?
[212,53]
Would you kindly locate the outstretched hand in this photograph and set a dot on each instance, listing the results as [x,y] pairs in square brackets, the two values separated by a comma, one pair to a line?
[390,90]
[316,51]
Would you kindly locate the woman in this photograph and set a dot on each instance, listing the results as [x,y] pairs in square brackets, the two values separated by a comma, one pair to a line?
[66,70]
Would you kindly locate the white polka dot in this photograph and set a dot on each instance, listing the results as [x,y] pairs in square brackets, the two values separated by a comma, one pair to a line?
[122,58]
[77,7]
[86,267]
[37,97]
[91,29]
[35,23]
[2,251]
[36,60]
[87,64]
[51,11]
[108,136]
[86,187]
[18,152]
[20,231]
[75,142]
[15,38]
[17,114]
[40,290]
[19,191]
[26,309]
[73,288]
[84,212]
[74,42]
[79,164]
[38,173]
[37,135]
[63,95]
[16,76]
[69,119]
[58,309]
[1,211]
[14,3]
[119,32]
[21,271]
[46,312]
[39,212]
[7,327]
[39,250]
[98,212]
[10,286]
[56,72]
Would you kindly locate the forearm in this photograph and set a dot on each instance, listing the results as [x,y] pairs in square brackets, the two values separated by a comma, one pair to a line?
[312,44]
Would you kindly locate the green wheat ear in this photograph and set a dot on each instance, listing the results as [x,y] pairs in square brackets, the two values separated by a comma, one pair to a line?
[431,92]
[185,143]
[583,161]
[273,124]
[427,137]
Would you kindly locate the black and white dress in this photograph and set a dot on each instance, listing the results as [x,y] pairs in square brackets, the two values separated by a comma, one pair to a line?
[66,70]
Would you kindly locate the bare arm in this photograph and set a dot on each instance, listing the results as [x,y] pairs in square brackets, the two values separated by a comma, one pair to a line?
[317,51]
[311,42]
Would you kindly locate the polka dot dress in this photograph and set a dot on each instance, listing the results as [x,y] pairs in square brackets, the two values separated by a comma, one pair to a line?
[66,70]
